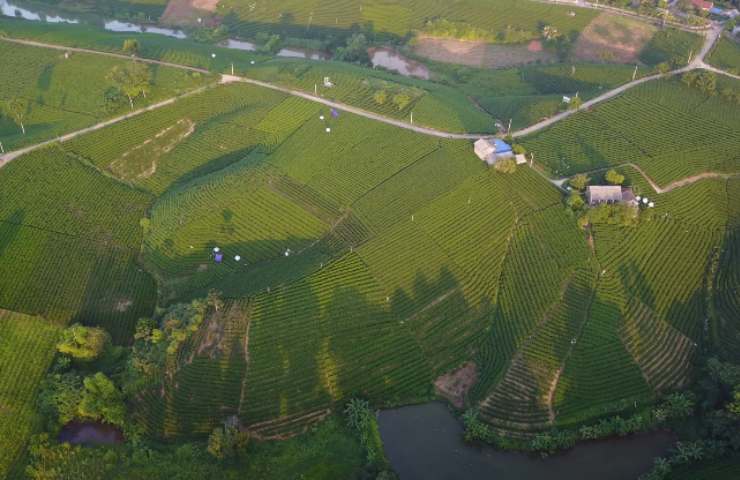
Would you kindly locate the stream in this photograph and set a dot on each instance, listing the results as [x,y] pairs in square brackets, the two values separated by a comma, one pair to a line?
[425,442]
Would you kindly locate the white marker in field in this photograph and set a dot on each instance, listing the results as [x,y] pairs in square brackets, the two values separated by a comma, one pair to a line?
[328,130]
[237,258]
[213,55]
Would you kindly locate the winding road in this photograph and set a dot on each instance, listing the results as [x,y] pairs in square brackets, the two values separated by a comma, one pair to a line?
[711,37]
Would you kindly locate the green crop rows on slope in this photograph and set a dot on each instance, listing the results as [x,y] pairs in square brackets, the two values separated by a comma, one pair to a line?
[192,137]
[317,17]
[66,94]
[668,129]
[153,46]
[726,55]
[26,350]
[69,239]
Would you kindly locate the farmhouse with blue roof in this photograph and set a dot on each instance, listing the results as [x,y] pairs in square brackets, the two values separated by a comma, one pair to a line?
[490,150]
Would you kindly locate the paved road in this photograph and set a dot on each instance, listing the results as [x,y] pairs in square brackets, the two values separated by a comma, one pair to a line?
[10,156]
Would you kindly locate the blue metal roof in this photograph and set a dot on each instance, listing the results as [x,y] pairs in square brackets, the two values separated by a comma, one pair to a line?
[716,10]
[501,146]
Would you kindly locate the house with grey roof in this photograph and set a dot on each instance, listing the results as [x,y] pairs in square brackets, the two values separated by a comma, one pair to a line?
[598,194]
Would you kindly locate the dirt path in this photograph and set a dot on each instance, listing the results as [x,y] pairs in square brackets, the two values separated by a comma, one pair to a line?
[657,188]
[10,156]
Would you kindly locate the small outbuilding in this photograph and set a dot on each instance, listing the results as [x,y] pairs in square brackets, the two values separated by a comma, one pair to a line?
[490,150]
[598,194]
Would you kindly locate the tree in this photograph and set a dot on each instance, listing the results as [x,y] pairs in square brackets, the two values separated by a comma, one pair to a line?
[575,202]
[83,343]
[132,80]
[227,442]
[354,51]
[614,177]
[505,165]
[59,398]
[130,46]
[575,103]
[663,68]
[579,182]
[16,109]
[101,400]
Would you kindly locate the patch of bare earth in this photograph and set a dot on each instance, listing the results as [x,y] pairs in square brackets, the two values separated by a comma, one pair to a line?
[481,54]
[614,39]
[141,161]
[454,386]
[187,12]
[123,305]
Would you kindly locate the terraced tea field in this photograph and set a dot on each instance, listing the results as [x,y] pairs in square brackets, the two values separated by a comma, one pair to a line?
[362,260]
[671,131]
[26,351]
[399,18]
[726,55]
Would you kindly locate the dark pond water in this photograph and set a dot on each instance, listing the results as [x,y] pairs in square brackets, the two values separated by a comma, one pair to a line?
[90,433]
[425,442]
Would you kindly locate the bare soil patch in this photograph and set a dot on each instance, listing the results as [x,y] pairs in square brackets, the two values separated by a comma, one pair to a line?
[123,305]
[613,38]
[454,385]
[187,12]
[141,161]
[481,54]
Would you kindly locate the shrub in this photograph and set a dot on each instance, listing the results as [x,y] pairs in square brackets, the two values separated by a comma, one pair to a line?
[614,177]
[83,343]
[575,202]
[475,429]
[101,400]
[227,442]
[579,182]
[380,97]
[505,165]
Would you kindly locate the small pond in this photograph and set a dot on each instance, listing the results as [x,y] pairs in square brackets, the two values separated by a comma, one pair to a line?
[118,26]
[285,52]
[90,433]
[425,442]
[10,10]
[395,62]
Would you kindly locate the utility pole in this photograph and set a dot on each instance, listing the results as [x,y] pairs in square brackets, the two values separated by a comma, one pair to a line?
[691,54]
[316,89]
[2,150]
[509,129]
[232,69]
[634,74]
[412,118]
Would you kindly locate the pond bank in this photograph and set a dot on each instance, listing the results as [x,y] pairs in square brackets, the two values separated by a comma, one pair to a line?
[425,442]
